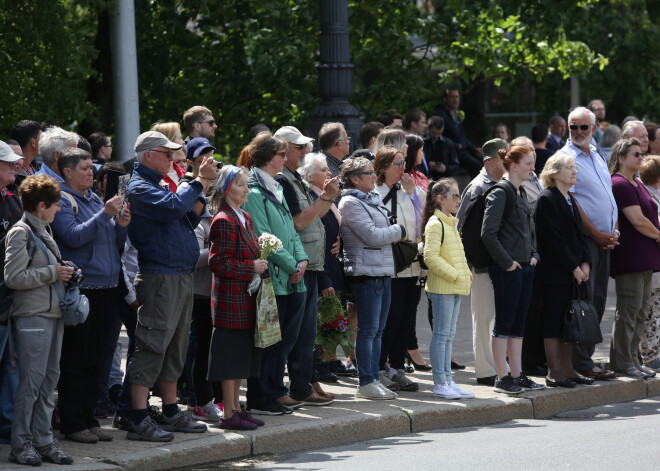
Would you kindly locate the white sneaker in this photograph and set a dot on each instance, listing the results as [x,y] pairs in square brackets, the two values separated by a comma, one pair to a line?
[464,394]
[208,413]
[445,391]
[372,391]
[388,392]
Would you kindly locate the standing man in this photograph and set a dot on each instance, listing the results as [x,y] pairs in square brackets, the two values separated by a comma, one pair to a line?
[162,231]
[638,130]
[415,122]
[599,214]
[597,107]
[11,211]
[557,126]
[482,301]
[469,156]
[335,144]
[439,152]
[26,132]
[51,144]
[306,215]
[199,122]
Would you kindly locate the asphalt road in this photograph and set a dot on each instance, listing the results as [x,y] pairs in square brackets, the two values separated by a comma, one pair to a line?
[614,437]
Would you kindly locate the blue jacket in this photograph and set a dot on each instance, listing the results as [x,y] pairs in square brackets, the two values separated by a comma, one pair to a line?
[89,238]
[162,227]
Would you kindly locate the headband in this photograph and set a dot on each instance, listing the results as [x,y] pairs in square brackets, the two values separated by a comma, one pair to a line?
[227,176]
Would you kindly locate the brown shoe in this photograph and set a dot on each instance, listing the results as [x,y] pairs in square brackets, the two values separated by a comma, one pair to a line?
[600,375]
[290,402]
[316,400]
[320,392]
[102,435]
[82,436]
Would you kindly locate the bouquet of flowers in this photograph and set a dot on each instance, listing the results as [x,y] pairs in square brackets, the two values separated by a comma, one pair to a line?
[268,244]
[333,328]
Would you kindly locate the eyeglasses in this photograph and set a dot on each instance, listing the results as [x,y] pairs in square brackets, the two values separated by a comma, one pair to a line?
[348,139]
[169,153]
[583,127]
[372,173]
[282,153]
[210,122]
[399,164]
[298,146]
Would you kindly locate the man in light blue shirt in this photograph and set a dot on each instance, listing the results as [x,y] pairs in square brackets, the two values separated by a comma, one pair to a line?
[598,210]
[51,144]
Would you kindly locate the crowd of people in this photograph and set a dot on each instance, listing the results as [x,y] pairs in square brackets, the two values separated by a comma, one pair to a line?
[168,246]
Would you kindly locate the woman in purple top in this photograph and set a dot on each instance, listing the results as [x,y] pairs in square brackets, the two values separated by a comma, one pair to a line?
[633,261]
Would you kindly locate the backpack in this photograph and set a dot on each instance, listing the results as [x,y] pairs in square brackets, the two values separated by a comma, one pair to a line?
[6,294]
[475,251]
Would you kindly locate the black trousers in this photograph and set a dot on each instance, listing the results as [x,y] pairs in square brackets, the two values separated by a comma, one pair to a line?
[205,390]
[82,355]
[400,325]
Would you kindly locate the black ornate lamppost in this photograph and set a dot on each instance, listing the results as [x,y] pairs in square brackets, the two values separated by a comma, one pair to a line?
[335,74]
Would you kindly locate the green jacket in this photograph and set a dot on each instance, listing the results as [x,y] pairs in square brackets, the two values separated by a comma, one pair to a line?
[269,215]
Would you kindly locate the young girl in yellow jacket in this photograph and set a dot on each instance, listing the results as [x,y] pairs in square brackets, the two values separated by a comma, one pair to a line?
[449,278]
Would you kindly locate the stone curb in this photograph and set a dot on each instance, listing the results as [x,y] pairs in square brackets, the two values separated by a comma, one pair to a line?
[404,419]
[405,416]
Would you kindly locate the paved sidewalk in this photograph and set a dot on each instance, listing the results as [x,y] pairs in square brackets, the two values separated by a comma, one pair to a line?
[349,419]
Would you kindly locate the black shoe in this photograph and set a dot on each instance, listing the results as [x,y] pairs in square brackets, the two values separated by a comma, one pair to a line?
[562,383]
[114,393]
[121,422]
[487,380]
[268,408]
[527,384]
[507,385]
[324,373]
[417,366]
[457,366]
[579,379]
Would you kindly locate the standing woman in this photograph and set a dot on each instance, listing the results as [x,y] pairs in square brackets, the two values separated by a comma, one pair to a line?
[369,266]
[649,173]
[92,235]
[448,279]
[234,259]
[414,156]
[507,236]
[38,321]
[267,394]
[564,265]
[396,187]
[635,258]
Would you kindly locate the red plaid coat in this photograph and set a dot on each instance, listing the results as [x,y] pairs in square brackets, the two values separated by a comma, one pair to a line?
[233,250]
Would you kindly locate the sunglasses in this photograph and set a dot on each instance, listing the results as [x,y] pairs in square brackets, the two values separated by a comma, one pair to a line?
[298,146]
[170,154]
[583,127]
[210,122]
[372,173]
[637,154]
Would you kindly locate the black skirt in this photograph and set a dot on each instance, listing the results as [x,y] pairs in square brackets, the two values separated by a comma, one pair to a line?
[554,302]
[233,355]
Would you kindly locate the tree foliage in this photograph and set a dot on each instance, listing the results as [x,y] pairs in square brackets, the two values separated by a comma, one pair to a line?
[255,61]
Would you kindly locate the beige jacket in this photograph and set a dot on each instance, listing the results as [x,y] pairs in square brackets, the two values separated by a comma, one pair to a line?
[32,280]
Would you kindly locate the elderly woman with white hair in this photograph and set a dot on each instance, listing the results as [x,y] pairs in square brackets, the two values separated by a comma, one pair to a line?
[564,266]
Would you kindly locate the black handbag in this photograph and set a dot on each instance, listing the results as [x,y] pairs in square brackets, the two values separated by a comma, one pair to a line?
[581,325]
[404,252]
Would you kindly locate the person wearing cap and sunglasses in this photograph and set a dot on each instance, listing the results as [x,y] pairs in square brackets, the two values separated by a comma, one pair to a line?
[599,214]
[306,213]
[163,234]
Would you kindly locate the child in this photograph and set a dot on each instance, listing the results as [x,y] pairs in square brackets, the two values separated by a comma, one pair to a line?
[449,278]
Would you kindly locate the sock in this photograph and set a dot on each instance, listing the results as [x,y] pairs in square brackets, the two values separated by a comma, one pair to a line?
[138,415]
[170,409]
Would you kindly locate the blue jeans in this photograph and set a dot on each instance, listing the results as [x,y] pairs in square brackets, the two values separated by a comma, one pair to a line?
[513,292]
[372,299]
[445,315]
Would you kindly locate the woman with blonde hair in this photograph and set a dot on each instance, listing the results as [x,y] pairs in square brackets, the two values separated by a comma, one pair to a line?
[564,265]
[172,130]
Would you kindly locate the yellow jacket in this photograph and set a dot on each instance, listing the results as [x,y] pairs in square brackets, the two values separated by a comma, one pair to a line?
[448,268]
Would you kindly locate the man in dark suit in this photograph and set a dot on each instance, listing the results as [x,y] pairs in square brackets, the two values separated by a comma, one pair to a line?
[440,152]
[557,131]
[540,140]
[469,156]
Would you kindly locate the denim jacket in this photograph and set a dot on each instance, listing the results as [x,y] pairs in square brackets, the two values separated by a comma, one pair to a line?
[163,223]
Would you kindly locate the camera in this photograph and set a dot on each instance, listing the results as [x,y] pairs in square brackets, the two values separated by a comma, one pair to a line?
[219,165]
[341,184]
[76,277]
